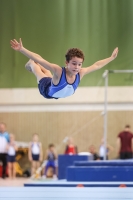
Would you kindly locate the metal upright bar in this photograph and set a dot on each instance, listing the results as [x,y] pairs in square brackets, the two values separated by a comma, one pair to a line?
[105,75]
[121,71]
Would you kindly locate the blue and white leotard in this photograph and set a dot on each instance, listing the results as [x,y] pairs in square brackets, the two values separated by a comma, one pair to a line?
[61,90]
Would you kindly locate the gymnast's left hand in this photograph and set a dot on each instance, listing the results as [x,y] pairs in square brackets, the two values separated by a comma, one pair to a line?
[114,54]
[17,46]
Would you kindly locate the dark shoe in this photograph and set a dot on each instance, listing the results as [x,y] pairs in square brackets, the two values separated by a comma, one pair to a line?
[3,176]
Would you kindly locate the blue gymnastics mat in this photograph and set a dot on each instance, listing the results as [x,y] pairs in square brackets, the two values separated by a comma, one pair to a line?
[104,163]
[64,183]
[39,193]
[109,171]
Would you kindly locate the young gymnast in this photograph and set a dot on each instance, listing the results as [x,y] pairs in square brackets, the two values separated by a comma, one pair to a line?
[102,150]
[11,154]
[35,153]
[51,161]
[54,81]
[71,149]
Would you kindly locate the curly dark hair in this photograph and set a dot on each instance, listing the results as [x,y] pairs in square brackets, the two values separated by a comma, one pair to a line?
[74,52]
[51,145]
[127,126]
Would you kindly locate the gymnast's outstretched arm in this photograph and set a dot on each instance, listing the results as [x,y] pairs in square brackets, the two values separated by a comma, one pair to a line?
[18,46]
[99,64]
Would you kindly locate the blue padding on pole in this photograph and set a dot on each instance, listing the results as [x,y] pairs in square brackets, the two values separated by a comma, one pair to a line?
[112,173]
[104,163]
[67,160]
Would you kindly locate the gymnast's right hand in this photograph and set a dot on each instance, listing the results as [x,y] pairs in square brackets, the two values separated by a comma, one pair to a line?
[16,45]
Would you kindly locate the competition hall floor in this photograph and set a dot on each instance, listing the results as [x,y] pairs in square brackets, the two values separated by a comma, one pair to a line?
[65,193]
[15,190]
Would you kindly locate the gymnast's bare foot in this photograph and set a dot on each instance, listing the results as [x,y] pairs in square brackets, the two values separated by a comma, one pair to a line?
[28,65]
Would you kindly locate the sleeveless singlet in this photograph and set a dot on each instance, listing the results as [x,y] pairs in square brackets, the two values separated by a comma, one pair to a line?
[11,151]
[102,151]
[51,156]
[35,148]
[63,88]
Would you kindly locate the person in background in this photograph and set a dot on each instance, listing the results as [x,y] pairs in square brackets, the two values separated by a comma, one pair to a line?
[71,149]
[92,150]
[102,150]
[51,161]
[11,154]
[35,153]
[3,131]
[125,143]
[4,139]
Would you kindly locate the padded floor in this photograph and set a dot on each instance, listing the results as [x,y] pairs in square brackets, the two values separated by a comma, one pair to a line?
[64,183]
[73,193]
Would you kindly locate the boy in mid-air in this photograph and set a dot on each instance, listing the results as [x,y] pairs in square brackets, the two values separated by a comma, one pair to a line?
[56,82]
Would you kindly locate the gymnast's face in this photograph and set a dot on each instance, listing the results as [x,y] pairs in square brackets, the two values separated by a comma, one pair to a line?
[35,138]
[51,149]
[2,128]
[12,138]
[74,65]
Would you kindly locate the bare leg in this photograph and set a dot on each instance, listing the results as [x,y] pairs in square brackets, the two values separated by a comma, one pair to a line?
[10,170]
[37,166]
[45,71]
[44,171]
[33,167]
[14,170]
[56,169]
[37,70]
